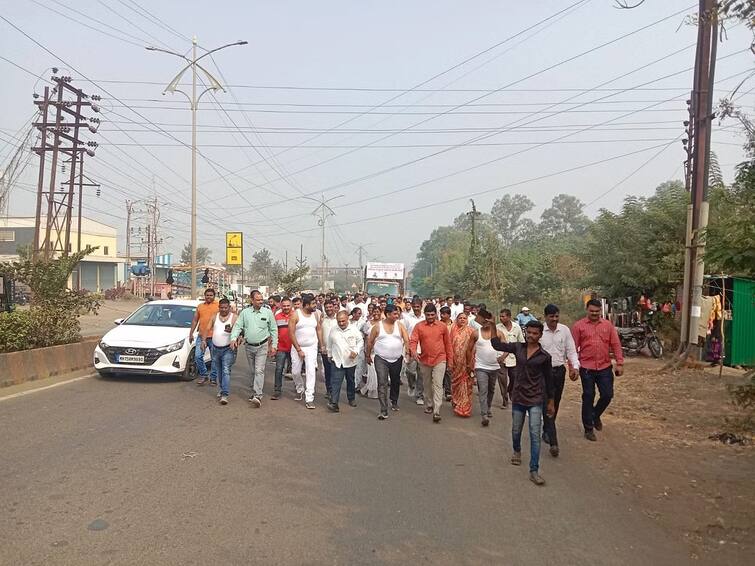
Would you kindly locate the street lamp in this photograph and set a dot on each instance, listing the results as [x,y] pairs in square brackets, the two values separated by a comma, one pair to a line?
[172,87]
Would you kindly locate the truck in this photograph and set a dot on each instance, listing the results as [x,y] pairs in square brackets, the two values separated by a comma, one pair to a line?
[384,278]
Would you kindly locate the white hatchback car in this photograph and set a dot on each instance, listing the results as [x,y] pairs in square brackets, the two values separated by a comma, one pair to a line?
[153,340]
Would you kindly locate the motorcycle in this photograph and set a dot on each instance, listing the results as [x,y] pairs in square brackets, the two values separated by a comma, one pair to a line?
[635,338]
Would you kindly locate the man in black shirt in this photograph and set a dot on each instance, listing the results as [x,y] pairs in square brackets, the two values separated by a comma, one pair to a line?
[529,387]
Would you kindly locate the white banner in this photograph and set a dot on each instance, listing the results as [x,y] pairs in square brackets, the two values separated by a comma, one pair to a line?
[377,270]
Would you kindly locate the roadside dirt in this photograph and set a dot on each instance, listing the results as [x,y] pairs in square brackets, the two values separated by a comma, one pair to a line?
[99,324]
[656,445]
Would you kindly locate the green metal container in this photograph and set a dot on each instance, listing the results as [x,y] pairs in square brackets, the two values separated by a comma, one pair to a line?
[739,332]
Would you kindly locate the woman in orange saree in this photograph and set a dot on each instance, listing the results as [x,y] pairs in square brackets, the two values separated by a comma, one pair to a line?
[463,339]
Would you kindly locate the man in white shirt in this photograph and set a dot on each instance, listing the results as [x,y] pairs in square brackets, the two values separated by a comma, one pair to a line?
[557,340]
[411,369]
[456,307]
[343,345]
[328,323]
[361,304]
[513,333]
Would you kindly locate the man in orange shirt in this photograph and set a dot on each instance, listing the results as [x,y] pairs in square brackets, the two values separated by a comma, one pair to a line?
[434,341]
[202,323]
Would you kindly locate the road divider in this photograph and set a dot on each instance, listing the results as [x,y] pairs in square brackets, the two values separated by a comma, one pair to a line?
[41,363]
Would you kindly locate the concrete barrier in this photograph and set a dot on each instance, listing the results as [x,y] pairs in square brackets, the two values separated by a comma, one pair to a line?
[28,365]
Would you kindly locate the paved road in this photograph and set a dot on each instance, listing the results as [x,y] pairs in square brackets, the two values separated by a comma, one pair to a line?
[137,471]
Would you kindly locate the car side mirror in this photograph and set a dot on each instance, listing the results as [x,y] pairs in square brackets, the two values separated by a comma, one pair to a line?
[118,321]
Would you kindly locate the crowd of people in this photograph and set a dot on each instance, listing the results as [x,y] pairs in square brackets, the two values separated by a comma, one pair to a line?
[440,348]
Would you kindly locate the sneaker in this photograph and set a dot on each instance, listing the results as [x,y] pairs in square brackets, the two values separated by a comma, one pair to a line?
[516,459]
[219,394]
[411,392]
[536,479]
[394,408]
[299,396]
[382,416]
[275,396]
[328,398]
[309,405]
[224,399]
[485,421]
[213,381]
[420,401]
[256,402]
[436,418]
[590,435]
[554,450]
[353,403]
[490,415]
[333,407]
[597,423]
[202,380]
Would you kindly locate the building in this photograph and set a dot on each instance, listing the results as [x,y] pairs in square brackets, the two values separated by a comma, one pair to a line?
[100,270]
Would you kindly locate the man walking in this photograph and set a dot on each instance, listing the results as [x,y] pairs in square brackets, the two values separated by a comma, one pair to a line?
[595,338]
[328,323]
[203,317]
[283,355]
[433,340]
[305,330]
[531,390]
[344,342]
[261,339]
[513,333]
[390,343]
[456,307]
[223,348]
[558,342]
[410,320]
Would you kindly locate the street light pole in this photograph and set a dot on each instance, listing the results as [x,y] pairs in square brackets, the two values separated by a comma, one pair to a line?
[172,87]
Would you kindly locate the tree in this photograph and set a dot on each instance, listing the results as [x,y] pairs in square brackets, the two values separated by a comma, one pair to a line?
[204,255]
[730,237]
[564,217]
[507,218]
[260,267]
[291,282]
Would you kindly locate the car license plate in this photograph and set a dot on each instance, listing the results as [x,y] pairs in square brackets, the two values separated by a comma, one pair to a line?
[130,359]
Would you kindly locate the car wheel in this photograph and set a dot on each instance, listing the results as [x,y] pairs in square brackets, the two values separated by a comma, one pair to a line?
[190,371]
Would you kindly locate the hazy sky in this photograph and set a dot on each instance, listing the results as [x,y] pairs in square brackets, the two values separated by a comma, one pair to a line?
[395,108]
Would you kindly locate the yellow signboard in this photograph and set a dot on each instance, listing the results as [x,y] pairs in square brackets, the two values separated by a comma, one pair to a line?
[233,256]
[234,239]
[234,248]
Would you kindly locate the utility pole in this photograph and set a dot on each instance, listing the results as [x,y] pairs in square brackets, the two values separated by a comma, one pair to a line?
[700,126]
[172,87]
[129,212]
[361,250]
[65,129]
[323,211]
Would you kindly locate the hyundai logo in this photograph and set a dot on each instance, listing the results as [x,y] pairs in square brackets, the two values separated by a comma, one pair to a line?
[130,351]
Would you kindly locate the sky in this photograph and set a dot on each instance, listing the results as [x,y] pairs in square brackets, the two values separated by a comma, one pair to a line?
[394,112]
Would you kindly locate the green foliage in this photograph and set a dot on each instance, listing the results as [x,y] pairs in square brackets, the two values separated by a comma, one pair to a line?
[730,237]
[204,255]
[292,281]
[54,314]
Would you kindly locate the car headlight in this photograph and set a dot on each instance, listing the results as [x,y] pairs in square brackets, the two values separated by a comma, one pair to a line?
[103,345]
[172,347]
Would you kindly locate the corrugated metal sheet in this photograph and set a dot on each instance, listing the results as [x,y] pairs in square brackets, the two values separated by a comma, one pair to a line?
[742,337]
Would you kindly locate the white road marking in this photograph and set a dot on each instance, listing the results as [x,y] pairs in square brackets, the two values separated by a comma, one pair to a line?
[29,391]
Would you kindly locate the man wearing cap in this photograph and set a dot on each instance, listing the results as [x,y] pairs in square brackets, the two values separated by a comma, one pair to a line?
[524,317]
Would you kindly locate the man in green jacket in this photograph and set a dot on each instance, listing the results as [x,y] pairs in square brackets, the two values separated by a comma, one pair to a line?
[260,334]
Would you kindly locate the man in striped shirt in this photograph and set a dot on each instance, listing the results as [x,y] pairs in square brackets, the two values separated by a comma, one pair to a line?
[595,338]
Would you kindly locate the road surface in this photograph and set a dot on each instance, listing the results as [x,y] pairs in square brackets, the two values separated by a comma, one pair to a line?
[150,471]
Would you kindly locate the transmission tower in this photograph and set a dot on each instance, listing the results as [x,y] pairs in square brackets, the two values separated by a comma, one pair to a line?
[62,120]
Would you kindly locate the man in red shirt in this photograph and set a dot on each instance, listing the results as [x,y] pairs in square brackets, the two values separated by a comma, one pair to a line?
[595,338]
[284,345]
[434,341]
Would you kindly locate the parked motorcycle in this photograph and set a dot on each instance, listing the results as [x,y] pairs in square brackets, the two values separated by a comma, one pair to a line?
[635,338]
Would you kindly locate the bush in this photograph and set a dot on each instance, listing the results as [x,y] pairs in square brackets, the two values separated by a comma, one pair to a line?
[54,314]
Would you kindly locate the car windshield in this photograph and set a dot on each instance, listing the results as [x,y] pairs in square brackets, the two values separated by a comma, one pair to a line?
[174,316]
